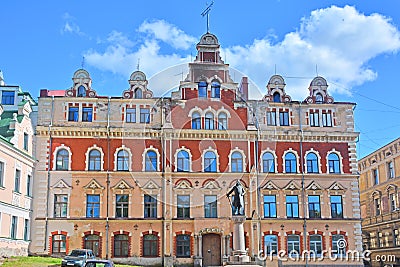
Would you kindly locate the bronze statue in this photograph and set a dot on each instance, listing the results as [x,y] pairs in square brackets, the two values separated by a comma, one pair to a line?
[238,199]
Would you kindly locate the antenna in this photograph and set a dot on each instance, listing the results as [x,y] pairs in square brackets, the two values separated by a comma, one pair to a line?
[83,62]
[138,64]
[206,12]
[316,69]
[275,69]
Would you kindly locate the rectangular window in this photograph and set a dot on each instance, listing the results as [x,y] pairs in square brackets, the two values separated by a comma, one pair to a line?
[150,206]
[87,114]
[93,206]
[270,245]
[26,141]
[144,115]
[390,170]
[26,230]
[73,114]
[375,176]
[130,115]
[393,202]
[29,185]
[336,206]
[7,97]
[271,118]
[396,237]
[60,206]
[292,206]
[338,248]
[122,206]
[326,119]
[314,119]
[1,174]
[17,181]
[284,118]
[269,206]
[316,244]
[210,206]
[377,202]
[314,207]
[293,244]
[183,206]
[183,246]
[14,224]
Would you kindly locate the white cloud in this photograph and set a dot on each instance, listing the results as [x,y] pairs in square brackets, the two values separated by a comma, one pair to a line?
[167,33]
[336,42]
[70,26]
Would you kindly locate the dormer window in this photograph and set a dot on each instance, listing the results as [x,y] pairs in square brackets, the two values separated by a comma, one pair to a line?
[81,91]
[277,97]
[202,89]
[138,93]
[215,90]
[319,98]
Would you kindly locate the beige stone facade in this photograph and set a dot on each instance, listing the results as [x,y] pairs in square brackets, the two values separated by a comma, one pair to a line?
[143,180]
[379,182]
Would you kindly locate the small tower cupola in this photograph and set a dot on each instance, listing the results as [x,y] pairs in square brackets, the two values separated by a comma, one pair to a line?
[82,85]
[137,86]
[276,90]
[208,49]
[319,92]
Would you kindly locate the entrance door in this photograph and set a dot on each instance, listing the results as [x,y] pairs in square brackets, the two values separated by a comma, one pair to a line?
[211,250]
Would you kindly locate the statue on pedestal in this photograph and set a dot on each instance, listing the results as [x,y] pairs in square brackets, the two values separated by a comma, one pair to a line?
[238,198]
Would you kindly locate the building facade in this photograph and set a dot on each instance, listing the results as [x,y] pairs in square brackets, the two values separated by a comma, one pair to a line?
[379,196]
[16,169]
[142,179]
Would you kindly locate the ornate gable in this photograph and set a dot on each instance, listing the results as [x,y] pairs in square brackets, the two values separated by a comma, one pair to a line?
[319,92]
[183,184]
[150,185]
[82,85]
[211,185]
[276,90]
[137,87]
[122,185]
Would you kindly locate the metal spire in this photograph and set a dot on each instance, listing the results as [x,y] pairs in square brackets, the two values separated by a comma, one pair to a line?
[206,12]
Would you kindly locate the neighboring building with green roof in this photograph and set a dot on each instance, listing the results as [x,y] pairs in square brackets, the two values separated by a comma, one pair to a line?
[17,118]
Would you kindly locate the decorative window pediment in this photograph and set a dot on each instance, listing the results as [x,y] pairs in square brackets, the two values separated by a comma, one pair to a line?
[276,90]
[82,85]
[137,87]
[211,185]
[313,186]
[270,186]
[61,184]
[93,185]
[151,188]
[122,185]
[336,186]
[291,186]
[183,184]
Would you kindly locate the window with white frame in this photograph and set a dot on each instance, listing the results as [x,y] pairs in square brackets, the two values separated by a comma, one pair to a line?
[316,244]
[209,121]
[122,160]
[182,160]
[60,205]
[215,89]
[390,170]
[202,87]
[338,248]
[333,163]
[268,161]
[290,163]
[312,163]
[151,161]
[210,162]
[393,201]
[196,121]
[210,206]
[130,115]
[62,160]
[236,162]
[326,119]
[222,121]
[271,118]
[293,244]
[284,118]
[270,245]
[94,160]
[375,176]
[314,119]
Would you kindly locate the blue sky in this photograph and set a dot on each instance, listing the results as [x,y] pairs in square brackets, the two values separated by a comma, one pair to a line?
[353,44]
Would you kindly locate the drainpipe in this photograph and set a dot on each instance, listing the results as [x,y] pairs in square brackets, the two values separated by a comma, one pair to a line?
[108,178]
[48,175]
[163,193]
[303,192]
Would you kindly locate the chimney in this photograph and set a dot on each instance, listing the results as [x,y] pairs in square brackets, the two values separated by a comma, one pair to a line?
[244,88]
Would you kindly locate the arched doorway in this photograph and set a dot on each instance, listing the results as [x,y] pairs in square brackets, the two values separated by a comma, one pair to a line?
[211,250]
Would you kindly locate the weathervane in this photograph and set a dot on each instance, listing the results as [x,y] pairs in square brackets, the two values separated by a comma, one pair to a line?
[206,12]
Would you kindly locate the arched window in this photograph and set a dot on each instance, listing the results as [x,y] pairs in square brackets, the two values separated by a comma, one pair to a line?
[59,244]
[222,121]
[182,161]
[312,163]
[92,242]
[236,162]
[209,121]
[319,99]
[150,246]
[290,163]
[196,121]
[210,162]
[81,91]
[62,160]
[122,161]
[138,93]
[202,89]
[333,163]
[151,161]
[94,160]
[268,161]
[277,97]
[121,246]
[215,90]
